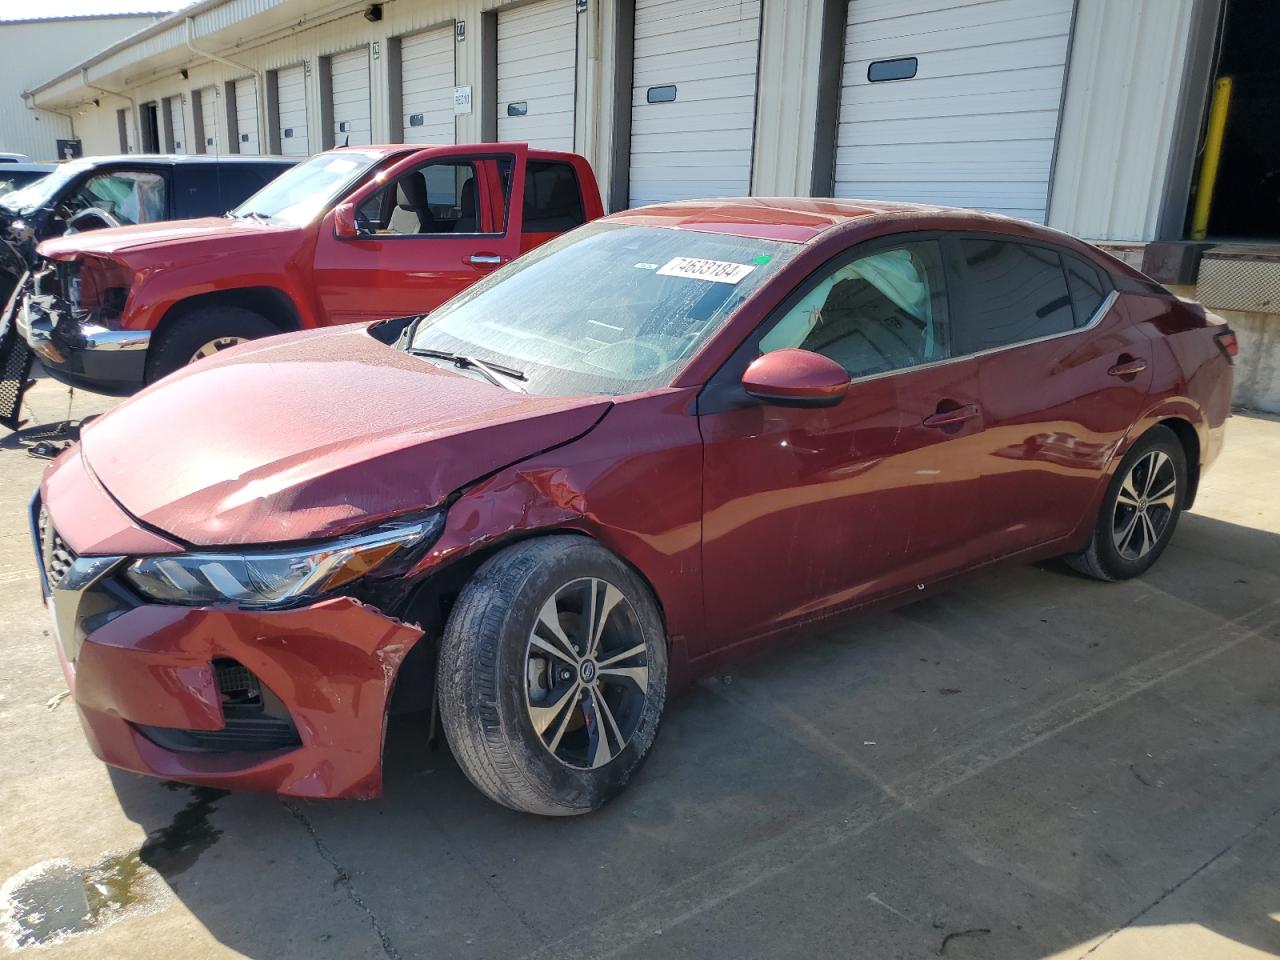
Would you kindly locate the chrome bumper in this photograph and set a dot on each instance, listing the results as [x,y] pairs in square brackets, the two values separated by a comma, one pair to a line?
[36,325]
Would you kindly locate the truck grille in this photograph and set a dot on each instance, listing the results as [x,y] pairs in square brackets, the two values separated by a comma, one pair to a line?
[56,556]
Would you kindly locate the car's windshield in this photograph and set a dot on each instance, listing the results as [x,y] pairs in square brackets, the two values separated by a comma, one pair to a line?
[300,193]
[44,191]
[606,309]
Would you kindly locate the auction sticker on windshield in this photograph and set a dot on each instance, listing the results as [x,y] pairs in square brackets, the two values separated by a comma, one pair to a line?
[696,268]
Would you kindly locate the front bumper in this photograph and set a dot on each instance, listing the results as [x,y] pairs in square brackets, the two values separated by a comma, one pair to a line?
[79,352]
[147,680]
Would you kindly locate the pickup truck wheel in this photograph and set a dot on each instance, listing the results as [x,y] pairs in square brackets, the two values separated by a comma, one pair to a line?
[552,676]
[203,333]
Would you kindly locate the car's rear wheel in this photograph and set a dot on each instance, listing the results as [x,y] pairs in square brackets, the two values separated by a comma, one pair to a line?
[552,676]
[202,333]
[1140,510]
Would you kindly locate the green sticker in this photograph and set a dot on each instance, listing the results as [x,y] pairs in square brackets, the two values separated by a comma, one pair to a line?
[761,260]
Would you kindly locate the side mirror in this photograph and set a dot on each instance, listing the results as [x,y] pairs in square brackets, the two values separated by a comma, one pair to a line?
[796,378]
[344,222]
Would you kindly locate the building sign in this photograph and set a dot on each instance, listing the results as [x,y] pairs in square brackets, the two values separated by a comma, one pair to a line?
[462,99]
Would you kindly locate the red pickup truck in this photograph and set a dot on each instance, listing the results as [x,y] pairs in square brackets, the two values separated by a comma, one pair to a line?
[352,234]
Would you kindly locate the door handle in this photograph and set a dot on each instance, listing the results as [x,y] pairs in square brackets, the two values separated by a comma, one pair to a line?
[949,418]
[1127,367]
[485,259]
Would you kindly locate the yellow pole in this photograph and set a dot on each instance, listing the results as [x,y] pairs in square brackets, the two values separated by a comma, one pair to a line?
[1212,157]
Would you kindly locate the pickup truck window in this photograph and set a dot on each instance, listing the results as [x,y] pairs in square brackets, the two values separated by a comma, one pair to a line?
[435,198]
[130,196]
[298,195]
[552,198]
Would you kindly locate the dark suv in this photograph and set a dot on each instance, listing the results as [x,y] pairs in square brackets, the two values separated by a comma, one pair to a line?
[101,192]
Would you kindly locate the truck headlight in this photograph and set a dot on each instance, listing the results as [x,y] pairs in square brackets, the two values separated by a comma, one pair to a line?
[281,577]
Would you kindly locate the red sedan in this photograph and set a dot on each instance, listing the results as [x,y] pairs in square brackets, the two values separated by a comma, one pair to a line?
[668,437]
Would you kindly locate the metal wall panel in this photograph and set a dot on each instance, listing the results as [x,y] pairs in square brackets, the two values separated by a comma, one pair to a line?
[975,126]
[537,54]
[699,143]
[426,86]
[1123,91]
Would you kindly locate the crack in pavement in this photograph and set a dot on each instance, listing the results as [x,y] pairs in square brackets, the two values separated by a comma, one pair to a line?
[343,878]
[1184,881]
[680,902]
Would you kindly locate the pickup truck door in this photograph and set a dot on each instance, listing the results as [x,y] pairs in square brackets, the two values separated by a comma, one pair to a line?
[428,228]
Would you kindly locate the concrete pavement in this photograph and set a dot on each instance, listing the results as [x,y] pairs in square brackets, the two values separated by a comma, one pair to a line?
[1032,765]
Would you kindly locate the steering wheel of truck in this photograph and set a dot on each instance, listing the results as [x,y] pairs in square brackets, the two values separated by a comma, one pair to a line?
[91,218]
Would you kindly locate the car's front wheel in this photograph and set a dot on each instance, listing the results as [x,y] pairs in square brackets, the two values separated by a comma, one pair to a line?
[552,676]
[1140,510]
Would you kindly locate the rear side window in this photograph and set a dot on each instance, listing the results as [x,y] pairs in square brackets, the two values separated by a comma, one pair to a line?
[1088,288]
[552,200]
[1014,292]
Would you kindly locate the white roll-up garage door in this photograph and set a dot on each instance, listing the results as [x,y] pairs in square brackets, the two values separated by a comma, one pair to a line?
[426,78]
[291,107]
[247,116]
[177,125]
[209,120]
[693,99]
[350,77]
[537,50]
[972,120]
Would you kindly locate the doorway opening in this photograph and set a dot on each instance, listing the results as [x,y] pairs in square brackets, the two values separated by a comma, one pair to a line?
[150,127]
[1242,125]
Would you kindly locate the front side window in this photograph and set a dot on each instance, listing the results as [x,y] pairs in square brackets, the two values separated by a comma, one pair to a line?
[441,197]
[130,196]
[886,310]
[1014,292]
[605,309]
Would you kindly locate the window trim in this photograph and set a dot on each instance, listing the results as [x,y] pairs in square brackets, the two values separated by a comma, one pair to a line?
[723,391]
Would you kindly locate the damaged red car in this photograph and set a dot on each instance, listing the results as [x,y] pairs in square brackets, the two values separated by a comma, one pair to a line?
[657,442]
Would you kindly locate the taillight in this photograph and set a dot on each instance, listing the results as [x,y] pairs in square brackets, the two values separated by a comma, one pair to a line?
[1228,344]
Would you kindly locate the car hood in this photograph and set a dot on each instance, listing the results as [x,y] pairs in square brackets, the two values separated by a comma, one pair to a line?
[163,235]
[313,435]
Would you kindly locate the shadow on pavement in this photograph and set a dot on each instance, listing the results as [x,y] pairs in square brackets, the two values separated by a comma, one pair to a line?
[1011,769]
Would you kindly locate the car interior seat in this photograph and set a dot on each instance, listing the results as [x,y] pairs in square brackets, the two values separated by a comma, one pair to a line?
[412,214]
[466,222]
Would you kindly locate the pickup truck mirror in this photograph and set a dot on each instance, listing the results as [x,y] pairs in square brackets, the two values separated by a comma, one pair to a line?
[344,222]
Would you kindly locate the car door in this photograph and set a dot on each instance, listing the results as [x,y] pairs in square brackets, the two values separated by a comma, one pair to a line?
[1061,376]
[809,511]
[427,231]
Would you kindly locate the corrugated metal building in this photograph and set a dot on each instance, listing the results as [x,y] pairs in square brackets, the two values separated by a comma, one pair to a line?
[33,49]
[1089,115]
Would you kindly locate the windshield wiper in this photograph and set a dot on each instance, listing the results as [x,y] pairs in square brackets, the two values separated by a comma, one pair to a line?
[251,215]
[495,373]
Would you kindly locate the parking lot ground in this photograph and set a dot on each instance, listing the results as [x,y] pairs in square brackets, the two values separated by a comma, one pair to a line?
[1030,765]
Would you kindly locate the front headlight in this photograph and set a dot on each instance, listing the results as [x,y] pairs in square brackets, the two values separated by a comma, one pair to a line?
[283,577]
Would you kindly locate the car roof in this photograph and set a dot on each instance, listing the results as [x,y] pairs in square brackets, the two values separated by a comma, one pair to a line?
[390,149]
[29,167]
[184,158]
[796,219]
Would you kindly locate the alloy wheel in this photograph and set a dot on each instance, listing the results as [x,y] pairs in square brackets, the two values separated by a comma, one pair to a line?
[217,345]
[1144,505]
[587,673]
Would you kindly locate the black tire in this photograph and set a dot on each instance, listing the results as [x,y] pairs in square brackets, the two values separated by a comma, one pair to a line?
[178,344]
[487,674]
[1103,559]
